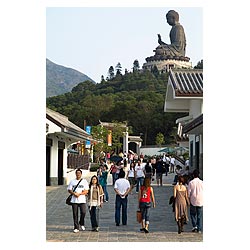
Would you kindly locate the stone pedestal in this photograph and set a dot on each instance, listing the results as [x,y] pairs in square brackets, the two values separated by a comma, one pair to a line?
[165,65]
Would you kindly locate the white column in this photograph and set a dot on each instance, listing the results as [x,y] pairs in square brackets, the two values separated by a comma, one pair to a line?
[125,142]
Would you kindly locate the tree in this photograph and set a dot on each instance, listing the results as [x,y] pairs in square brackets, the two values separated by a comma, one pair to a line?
[159,140]
[102,79]
[118,69]
[199,65]
[155,71]
[100,134]
[111,73]
[136,66]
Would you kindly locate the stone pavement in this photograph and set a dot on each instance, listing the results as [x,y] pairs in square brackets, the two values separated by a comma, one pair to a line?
[163,228]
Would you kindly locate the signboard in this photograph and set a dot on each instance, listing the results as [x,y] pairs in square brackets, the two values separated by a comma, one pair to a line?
[88,130]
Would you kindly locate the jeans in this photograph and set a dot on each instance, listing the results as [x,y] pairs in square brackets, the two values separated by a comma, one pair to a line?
[82,207]
[139,183]
[196,215]
[145,208]
[106,195]
[94,216]
[121,203]
[114,177]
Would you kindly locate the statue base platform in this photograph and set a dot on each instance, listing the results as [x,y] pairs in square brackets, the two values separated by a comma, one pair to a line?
[165,65]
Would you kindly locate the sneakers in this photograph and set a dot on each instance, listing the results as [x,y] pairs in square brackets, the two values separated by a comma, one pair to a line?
[76,230]
[195,229]
[83,228]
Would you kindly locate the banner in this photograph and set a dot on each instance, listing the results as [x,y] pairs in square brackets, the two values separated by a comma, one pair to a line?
[109,139]
[88,130]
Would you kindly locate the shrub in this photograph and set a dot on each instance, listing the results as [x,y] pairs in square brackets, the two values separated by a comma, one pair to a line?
[94,167]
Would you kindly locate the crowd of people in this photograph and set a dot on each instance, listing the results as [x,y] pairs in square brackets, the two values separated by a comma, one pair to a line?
[187,192]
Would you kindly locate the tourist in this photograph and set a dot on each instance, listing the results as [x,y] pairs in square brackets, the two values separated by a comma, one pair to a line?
[139,175]
[122,188]
[181,203]
[78,199]
[131,176]
[195,193]
[145,197]
[172,164]
[95,201]
[103,182]
[159,170]
[148,170]
[178,172]
[113,170]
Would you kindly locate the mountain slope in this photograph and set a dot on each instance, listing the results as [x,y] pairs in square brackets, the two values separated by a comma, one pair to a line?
[60,79]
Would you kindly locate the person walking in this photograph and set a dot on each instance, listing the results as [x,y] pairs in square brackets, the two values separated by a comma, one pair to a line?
[167,164]
[159,170]
[178,172]
[103,182]
[145,198]
[78,199]
[122,188]
[95,201]
[172,164]
[195,194]
[139,175]
[148,170]
[131,176]
[113,170]
[181,203]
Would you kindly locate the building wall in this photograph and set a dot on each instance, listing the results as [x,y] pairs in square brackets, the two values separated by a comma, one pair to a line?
[196,161]
[195,107]
[54,160]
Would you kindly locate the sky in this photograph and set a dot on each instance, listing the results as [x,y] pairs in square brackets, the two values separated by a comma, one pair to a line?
[91,40]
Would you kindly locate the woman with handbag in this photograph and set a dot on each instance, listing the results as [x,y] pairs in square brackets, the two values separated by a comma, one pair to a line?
[145,197]
[95,201]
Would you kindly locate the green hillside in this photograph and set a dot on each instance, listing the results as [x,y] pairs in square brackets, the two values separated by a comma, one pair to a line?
[136,97]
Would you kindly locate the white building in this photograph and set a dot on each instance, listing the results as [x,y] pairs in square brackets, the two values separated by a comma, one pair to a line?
[185,94]
[60,134]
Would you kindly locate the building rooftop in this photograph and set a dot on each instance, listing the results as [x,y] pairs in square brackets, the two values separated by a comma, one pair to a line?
[187,82]
[66,125]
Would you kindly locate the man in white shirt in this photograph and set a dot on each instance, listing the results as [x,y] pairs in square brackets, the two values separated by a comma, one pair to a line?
[172,164]
[122,188]
[195,194]
[139,174]
[78,199]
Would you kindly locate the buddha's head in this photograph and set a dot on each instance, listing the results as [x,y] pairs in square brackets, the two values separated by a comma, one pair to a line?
[172,17]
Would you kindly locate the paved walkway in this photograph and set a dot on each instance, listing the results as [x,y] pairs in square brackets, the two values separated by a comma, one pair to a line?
[163,227]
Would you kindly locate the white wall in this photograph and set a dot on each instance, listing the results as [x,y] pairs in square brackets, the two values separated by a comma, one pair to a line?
[54,156]
[195,108]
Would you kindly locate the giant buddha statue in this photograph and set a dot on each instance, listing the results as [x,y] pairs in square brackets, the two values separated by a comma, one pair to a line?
[177,49]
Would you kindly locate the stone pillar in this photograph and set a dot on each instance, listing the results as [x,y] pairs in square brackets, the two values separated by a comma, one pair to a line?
[125,142]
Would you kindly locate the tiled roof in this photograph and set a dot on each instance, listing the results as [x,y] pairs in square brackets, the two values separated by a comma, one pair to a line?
[66,125]
[193,124]
[187,82]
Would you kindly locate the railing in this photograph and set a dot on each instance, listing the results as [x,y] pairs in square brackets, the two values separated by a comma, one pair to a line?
[179,159]
[78,161]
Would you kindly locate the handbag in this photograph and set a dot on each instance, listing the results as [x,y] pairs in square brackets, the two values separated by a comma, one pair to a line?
[68,200]
[138,216]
